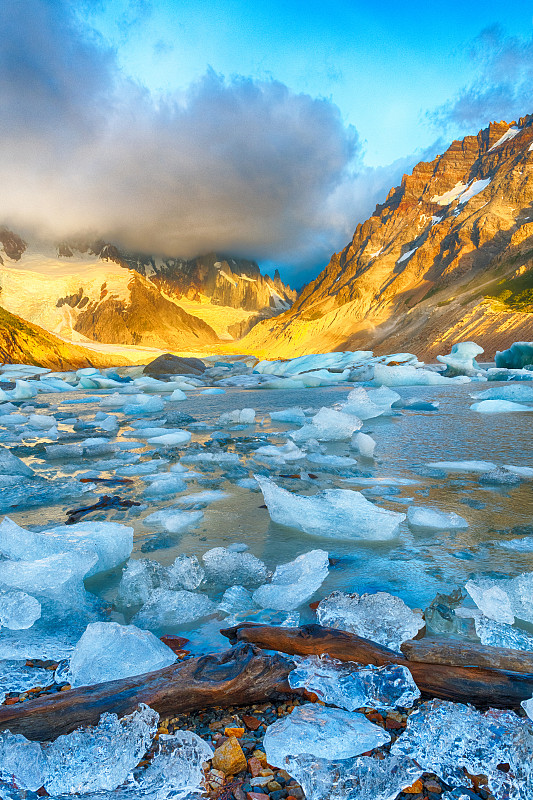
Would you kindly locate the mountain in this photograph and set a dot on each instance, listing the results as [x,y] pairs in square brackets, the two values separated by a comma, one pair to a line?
[22,342]
[447,257]
[92,291]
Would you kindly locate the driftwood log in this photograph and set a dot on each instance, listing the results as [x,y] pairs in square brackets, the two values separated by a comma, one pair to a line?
[479,685]
[467,654]
[239,676]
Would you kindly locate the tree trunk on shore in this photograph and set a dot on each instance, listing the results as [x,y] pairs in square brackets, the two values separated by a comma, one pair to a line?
[239,676]
[460,683]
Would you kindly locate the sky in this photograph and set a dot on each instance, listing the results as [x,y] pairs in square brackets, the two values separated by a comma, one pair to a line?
[266,130]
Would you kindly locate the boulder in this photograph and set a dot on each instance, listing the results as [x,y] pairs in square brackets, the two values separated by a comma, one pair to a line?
[167,364]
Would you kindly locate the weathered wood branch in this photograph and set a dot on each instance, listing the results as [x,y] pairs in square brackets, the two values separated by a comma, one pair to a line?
[467,654]
[238,676]
[462,684]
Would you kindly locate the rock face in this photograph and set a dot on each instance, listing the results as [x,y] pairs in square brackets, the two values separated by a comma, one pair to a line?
[95,292]
[22,342]
[447,256]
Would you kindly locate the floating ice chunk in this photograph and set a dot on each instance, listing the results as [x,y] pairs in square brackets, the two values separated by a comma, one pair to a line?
[57,577]
[108,651]
[236,599]
[244,416]
[462,359]
[173,520]
[328,425]
[295,415]
[463,466]
[449,738]
[184,573]
[499,407]
[201,499]
[227,567]
[141,577]
[351,686]
[177,396]
[519,355]
[175,772]
[23,390]
[294,583]
[321,732]
[523,472]
[173,439]
[100,757]
[336,462]
[498,634]
[332,513]
[21,761]
[213,390]
[491,599]
[41,421]
[147,405]
[288,452]
[362,778]
[364,444]
[164,484]
[199,457]
[412,376]
[381,617]
[18,610]
[360,405]
[167,609]
[384,397]
[516,392]
[111,542]
[433,518]
[11,465]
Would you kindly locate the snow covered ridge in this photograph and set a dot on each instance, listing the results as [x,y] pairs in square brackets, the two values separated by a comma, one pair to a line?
[461,192]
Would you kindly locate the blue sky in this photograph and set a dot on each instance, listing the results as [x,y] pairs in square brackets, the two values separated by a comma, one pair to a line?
[265,130]
[384,64]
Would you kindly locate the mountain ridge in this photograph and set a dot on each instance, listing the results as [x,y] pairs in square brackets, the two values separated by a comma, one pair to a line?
[421,269]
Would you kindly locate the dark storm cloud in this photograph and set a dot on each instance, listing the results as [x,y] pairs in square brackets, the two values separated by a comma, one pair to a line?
[238,166]
[503,89]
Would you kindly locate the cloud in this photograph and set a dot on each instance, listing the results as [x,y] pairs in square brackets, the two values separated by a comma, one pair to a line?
[503,88]
[238,166]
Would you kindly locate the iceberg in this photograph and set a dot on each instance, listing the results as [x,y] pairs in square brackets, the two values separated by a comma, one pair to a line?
[499,407]
[108,651]
[175,772]
[515,392]
[491,599]
[499,634]
[362,778]
[519,355]
[18,610]
[173,439]
[321,732]
[412,376]
[166,608]
[173,520]
[294,415]
[11,465]
[224,566]
[361,405]
[350,686]
[328,425]
[111,542]
[433,518]
[21,761]
[448,738]
[244,416]
[332,513]
[141,577]
[462,359]
[294,583]
[381,617]
[364,444]
[98,758]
